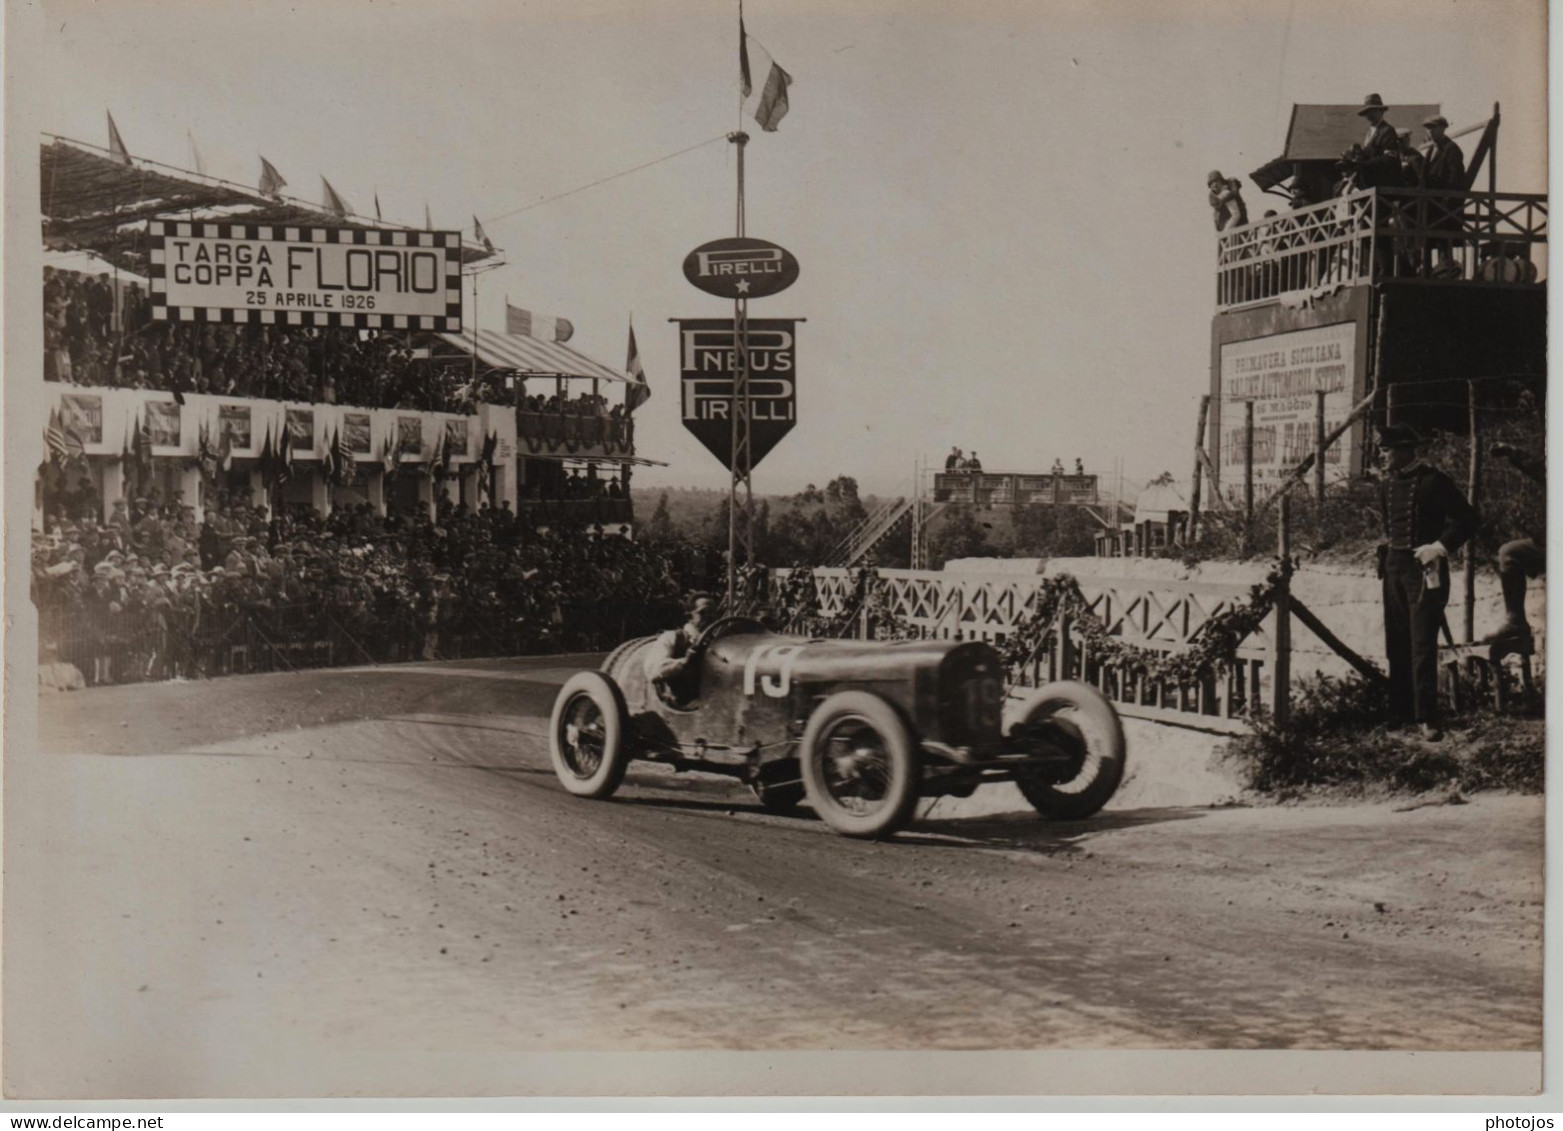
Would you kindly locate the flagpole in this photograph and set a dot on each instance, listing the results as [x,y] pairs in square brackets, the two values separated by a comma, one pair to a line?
[738,412]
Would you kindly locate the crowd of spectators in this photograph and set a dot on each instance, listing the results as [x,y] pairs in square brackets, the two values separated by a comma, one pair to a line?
[314,364]
[149,593]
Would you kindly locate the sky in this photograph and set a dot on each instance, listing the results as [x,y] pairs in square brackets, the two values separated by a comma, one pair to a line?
[999,208]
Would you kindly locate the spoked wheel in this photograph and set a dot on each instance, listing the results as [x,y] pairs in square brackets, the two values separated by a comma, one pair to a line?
[1080,721]
[861,765]
[586,735]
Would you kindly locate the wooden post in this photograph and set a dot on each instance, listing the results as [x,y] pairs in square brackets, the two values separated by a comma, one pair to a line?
[1281,639]
[1318,450]
[1199,446]
[1248,470]
[1473,488]
[1389,405]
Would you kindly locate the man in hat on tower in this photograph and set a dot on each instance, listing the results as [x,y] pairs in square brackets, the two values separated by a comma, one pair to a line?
[1380,160]
[1425,519]
[1443,168]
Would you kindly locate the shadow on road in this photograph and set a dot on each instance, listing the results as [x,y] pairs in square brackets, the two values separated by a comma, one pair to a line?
[1027,832]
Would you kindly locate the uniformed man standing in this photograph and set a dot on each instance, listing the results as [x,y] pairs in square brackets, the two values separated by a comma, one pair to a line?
[1425,519]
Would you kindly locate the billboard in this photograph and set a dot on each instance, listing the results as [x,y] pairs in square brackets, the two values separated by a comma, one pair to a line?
[1281,374]
[82,413]
[299,276]
[355,432]
[301,429]
[708,357]
[163,423]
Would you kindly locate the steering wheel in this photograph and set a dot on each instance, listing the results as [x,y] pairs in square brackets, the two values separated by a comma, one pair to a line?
[723,626]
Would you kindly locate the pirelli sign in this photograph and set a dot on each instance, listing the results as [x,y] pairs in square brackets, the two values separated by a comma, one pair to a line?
[305,276]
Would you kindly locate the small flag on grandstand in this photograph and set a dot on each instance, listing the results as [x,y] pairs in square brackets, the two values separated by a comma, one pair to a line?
[388,456]
[768,105]
[333,201]
[225,451]
[117,149]
[328,460]
[284,455]
[271,182]
[377,215]
[195,154]
[428,218]
[639,392]
[518,320]
[564,329]
[54,437]
[477,229]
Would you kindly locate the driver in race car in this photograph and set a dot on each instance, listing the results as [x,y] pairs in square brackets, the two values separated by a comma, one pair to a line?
[668,659]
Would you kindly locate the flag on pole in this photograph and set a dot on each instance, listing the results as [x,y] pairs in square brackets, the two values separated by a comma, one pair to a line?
[517,321]
[428,218]
[768,104]
[564,329]
[284,459]
[483,239]
[344,459]
[195,154]
[639,392]
[328,460]
[268,461]
[117,150]
[377,215]
[333,201]
[271,182]
[225,450]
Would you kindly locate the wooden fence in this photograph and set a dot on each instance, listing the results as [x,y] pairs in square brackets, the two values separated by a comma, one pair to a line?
[1162,615]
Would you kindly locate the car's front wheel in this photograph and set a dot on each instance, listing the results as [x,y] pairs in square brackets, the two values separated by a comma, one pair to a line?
[588,737]
[1080,722]
[861,765]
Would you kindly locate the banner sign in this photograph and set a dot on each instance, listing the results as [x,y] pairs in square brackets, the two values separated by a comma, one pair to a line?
[294,276]
[456,438]
[83,414]
[163,423]
[409,434]
[301,429]
[355,431]
[233,420]
[740,267]
[1280,374]
[708,357]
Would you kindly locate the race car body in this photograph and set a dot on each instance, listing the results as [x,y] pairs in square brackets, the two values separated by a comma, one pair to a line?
[862,729]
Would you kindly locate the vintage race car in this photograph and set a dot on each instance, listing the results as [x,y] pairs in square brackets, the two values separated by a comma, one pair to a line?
[862,729]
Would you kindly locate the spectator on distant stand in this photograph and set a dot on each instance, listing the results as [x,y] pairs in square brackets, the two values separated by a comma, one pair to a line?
[1226,201]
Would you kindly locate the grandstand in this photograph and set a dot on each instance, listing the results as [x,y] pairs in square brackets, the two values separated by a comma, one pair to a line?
[327,409]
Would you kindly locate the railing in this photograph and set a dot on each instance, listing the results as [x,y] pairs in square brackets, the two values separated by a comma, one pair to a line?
[1007,488]
[870,532]
[577,512]
[1404,234]
[1163,616]
[555,433]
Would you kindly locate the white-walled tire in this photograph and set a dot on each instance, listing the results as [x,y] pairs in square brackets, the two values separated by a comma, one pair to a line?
[588,739]
[1081,720]
[861,766]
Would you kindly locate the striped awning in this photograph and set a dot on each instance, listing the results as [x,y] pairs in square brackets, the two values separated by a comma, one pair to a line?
[529,355]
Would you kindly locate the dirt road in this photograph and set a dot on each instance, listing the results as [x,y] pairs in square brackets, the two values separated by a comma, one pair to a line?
[243,885]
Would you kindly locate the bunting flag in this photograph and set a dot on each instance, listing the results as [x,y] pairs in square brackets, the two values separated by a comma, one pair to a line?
[225,451]
[344,459]
[284,458]
[195,154]
[564,329]
[54,437]
[477,230]
[328,459]
[268,458]
[768,104]
[388,456]
[333,201]
[271,182]
[205,457]
[638,392]
[117,150]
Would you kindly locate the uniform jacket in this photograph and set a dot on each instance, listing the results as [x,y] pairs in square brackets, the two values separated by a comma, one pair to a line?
[1421,504]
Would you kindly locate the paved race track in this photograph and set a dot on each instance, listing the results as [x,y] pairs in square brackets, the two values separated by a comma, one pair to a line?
[251,881]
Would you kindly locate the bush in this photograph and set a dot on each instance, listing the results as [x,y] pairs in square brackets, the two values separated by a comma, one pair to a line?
[1337,738]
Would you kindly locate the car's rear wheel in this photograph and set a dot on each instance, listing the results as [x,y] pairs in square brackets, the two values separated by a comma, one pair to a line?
[588,739]
[1079,721]
[861,766]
